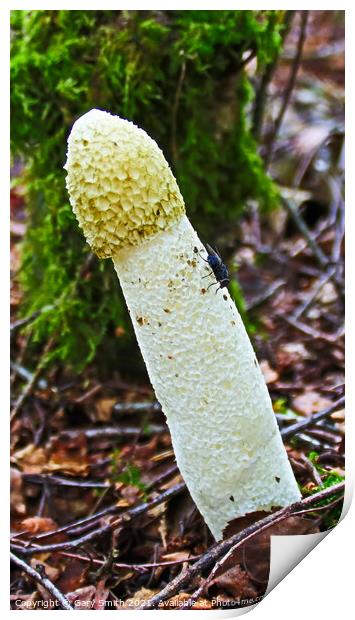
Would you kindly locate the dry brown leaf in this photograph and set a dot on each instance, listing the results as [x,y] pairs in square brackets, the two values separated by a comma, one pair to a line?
[177,556]
[17,502]
[101,595]
[35,525]
[82,597]
[310,402]
[327,294]
[236,582]
[73,576]
[144,594]
[30,459]
[104,409]
[270,375]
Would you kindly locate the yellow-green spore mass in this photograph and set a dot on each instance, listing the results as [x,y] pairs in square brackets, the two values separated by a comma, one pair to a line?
[120,185]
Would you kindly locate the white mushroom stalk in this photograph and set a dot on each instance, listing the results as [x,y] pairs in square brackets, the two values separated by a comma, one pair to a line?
[198,355]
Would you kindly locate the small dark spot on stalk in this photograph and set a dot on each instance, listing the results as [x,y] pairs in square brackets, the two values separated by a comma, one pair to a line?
[231,498]
[277,478]
[167,310]
[225,297]
[203,291]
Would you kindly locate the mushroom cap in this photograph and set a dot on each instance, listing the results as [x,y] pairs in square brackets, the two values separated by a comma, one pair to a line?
[120,185]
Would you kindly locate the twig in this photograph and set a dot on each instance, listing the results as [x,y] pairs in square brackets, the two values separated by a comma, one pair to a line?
[311,470]
[174,112]
[261,95]
[310,331]
[130,514]
[221,549]
[313,294]
[304,230]
[83,525]
[289,87]
[146,407]
[135,567]
[43,580]
[313,419]
[29,319]
[50,479]
[30,385]
[112,432]
[265,295]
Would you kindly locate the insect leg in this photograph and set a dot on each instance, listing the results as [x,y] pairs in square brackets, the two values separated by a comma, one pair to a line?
[209,274]
[206,261]
[212,283]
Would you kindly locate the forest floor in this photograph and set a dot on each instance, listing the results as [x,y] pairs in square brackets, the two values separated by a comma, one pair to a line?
[101,517]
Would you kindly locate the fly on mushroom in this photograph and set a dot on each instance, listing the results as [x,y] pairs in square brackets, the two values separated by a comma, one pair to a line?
[218,267]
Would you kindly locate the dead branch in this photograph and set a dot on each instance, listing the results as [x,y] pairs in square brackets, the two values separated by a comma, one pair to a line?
[304,230]
[289,88]
[32,382]
[313,419]
[220,550]
[125,517]
[261,94]
[42,579]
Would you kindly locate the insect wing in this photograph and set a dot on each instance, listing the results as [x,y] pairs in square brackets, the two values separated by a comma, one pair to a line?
[213,252]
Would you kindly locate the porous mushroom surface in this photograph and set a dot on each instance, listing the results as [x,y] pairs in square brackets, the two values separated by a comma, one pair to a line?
[198,355]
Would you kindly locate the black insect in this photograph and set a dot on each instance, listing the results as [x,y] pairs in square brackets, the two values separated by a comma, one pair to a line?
[219,269]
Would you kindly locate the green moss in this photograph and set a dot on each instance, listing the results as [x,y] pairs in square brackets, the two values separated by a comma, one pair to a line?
[329,479]
[177,74]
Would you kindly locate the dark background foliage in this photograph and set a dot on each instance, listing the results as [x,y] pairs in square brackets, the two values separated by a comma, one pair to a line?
[178,74]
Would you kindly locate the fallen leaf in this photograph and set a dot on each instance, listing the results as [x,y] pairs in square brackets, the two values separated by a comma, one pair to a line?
[144,594]
[73,576]
[36,525]
[17,502]
[103,408]
[270,375]
[82,597]
[236,582]
[30,459]
[101,595]
[327,294]
[310,402]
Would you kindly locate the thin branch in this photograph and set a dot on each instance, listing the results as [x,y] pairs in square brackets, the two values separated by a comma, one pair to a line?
[289,87]
[261,95]
[32,382]
[313,294]
[221,549]
[310,331]
[82,525]
[125,517]
[174,112]
[313,419]
[112,432]
[134,567]
[43,580]
[304,230]
[269,292]
[29,319]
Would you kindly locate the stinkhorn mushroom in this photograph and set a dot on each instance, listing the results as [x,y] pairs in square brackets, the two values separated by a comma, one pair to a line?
[198,355]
